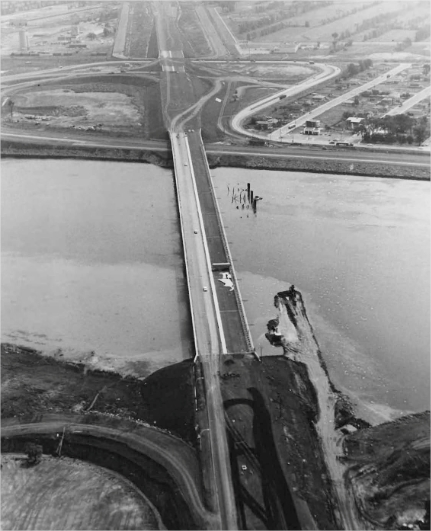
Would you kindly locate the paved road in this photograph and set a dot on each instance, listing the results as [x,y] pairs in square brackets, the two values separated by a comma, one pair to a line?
[278,133]
[210,342]
[327,72]
[425,93]
[207,325]
[159,446]
[308,152]
[212,35]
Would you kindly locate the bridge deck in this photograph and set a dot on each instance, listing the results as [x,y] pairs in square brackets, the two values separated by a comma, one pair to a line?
[233,319]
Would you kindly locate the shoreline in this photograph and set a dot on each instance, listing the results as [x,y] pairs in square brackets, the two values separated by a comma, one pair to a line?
[20,150]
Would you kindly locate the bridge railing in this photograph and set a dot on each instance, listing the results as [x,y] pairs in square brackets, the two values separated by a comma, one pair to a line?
[237,290]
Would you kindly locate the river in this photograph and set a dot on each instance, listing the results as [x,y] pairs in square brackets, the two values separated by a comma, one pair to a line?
[358,249]
[92,266]
[92,263]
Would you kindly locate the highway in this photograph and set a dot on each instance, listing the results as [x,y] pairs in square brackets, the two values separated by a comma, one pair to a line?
[210,342]
[209,336]
[327,72]
[211,33]
[365,154]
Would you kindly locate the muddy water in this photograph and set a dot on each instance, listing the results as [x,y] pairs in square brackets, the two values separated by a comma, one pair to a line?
[358,249]
[92,262]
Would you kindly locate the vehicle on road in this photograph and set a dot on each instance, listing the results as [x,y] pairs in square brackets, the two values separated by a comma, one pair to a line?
[205,288]
[195,231]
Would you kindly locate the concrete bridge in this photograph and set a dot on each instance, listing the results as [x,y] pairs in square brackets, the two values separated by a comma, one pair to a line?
[218,318]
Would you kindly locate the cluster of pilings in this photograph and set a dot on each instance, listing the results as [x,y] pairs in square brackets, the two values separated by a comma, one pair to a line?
[246,197]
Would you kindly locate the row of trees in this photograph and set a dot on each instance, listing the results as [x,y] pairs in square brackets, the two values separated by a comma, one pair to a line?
[406,43]
[354,69]
[400,128]
[295,9]
[344,14]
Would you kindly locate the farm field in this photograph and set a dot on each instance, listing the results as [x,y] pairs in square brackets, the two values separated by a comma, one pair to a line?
[70,494]
[314,17]
[324,33]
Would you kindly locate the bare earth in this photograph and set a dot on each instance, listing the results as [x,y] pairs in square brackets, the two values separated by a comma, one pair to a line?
[70,494]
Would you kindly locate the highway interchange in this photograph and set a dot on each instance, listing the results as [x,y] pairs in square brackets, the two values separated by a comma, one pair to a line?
[211,341]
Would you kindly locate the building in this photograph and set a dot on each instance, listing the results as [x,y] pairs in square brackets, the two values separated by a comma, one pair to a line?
[23,40]
[354,121]
[312,127]
[318,97]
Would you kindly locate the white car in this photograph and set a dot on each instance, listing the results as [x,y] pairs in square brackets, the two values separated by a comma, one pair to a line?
[205,288]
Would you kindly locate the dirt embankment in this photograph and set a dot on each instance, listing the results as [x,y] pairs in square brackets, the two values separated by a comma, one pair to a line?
[389,471]
[45,151]
[379,475]
[369,169]
[280,477]
[32,383]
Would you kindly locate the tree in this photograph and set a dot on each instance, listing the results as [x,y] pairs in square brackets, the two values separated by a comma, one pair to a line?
[426,69]
[34,453]
[11,105]
[91,36]
[420,131]
[356,100]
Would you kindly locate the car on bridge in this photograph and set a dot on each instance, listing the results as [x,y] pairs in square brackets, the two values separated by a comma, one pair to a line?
[205,288]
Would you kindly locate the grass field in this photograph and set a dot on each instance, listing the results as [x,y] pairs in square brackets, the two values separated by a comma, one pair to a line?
[70,494]
[194,41]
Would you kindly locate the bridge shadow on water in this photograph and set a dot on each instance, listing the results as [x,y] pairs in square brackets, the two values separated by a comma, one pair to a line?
[273,505]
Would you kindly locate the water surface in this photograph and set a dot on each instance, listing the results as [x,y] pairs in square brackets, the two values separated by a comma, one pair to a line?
[92,261]
[358,248]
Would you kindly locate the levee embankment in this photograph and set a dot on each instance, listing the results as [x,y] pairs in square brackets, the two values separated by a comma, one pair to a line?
[18,149]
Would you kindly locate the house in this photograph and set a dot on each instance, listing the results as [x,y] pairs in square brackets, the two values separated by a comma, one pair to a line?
[354,121]
[318,97]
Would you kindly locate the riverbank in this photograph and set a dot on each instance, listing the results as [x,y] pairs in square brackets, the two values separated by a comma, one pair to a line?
[164,160]
[33,383]
[380,474]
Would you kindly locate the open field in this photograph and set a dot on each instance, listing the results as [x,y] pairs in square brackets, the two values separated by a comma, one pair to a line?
[324,32]
[66,108]
[121,105]
[194,40]
[141,23]
[70,494]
